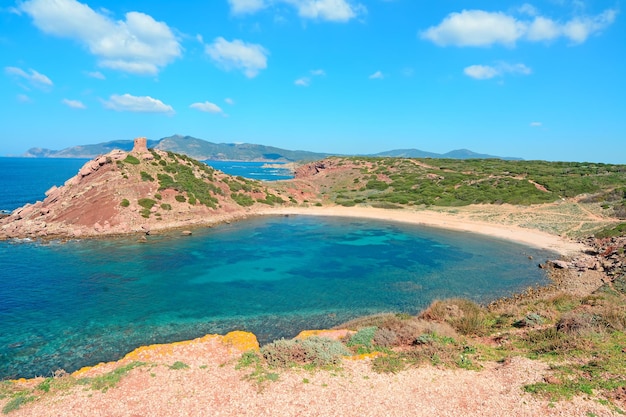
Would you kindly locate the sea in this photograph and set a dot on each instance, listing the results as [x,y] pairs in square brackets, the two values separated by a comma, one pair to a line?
[69,304]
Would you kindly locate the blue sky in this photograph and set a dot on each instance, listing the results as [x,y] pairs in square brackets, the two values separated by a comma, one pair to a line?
[536,80]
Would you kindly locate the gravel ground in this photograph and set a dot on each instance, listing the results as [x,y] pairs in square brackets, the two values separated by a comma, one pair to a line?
[212,386]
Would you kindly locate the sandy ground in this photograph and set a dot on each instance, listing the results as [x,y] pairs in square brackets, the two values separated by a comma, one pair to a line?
[460,221]
[212,386]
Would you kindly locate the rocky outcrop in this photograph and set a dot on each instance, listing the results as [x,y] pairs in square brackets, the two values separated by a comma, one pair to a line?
[141,191]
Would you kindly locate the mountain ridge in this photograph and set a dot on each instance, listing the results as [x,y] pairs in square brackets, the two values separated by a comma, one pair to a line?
[204,150]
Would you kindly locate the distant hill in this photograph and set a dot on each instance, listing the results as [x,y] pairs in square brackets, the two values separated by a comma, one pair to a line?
[193,147]
[203,150]
[456,154]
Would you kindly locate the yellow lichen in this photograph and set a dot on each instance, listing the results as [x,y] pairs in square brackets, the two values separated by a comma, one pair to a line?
[242,341]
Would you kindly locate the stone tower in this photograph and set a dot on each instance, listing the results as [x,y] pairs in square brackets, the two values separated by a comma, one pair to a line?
[141,145]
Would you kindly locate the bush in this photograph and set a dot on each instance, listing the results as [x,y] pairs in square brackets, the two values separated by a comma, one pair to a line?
[125,203]
[166,206]
[180,198]
[318,351]
[146,177]
[364,337]
[131,160]
[385,338]
[242,199]
[146,203]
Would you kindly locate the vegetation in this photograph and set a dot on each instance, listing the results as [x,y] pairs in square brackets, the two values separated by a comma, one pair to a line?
[125,203]
[454,182]
[242,199]
[132,160]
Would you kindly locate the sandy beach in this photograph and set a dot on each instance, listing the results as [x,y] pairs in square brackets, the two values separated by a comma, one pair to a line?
[459,221]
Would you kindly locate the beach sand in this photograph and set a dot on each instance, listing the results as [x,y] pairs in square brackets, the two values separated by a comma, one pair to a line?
[458,221]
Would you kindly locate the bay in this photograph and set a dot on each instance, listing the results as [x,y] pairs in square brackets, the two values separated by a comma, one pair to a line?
[64,305]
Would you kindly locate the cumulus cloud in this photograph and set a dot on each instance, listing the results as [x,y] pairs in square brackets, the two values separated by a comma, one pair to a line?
[303,82]
[207,107]
[247,57]
[141,104]
[74,104]
[377,76]
[138,44]
[485,72]
[481,28]
[34,78]
[329,10]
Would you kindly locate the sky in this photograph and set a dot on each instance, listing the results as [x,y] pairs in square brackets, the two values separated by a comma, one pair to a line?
[536,80]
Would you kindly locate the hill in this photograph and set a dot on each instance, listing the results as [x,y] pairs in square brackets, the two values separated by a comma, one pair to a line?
[139,191]
[204,150]
[193,147]
[456,154]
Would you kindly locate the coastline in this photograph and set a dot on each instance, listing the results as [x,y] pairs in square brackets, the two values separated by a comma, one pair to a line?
[455,222]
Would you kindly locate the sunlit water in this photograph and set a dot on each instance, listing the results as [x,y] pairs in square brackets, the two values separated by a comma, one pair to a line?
[68,305]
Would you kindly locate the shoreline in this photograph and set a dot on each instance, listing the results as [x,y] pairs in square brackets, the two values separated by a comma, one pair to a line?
[440,220]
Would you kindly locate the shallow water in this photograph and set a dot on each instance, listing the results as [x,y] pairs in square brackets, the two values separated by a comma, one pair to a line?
[67,305]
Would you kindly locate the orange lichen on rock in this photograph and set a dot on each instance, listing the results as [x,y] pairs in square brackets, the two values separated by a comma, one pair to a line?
[242,341]
[160,353]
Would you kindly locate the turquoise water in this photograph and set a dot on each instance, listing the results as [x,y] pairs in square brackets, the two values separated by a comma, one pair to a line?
[68,305]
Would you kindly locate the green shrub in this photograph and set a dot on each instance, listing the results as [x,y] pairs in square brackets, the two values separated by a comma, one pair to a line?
[180,198]
[146,177]
[16,402]
[125,203]
[166,206]
[131,160]
[179,365]
[364,337]
[146,203]
[242,199]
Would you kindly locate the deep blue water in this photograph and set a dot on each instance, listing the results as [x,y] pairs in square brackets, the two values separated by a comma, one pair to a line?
[252,170]
[67,305]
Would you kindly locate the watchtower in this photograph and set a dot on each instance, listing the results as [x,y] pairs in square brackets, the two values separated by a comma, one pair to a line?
[141,145]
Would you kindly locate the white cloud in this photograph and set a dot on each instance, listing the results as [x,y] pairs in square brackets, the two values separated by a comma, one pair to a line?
[330,10]
[144,104]
[207,107]
[377,76]
[536,124]
[318,72]
[481,28]
[303,82]
[74,104]
[481,72]
[229,101]
[246,6]
[97,75]
[333,10]
[485,72]
[138,44]
[33,77]
[248,57]
[528,9]
[23,98]
[475,28]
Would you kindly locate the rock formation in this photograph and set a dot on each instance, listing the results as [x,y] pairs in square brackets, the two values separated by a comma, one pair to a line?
[139,191]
